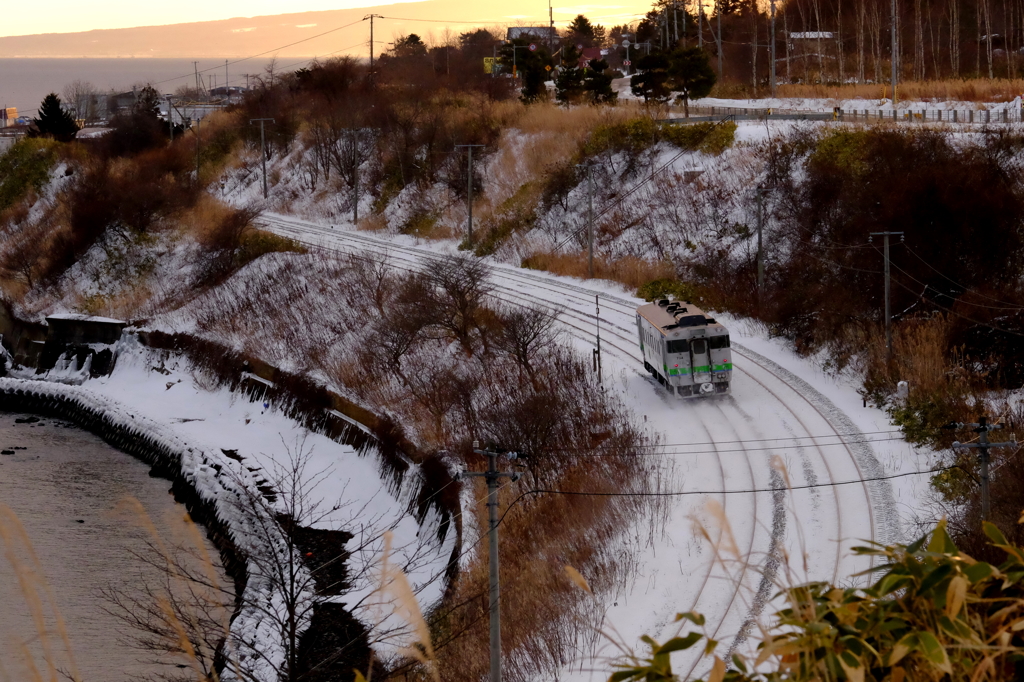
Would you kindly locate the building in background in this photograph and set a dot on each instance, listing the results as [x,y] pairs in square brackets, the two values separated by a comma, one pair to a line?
[8,116]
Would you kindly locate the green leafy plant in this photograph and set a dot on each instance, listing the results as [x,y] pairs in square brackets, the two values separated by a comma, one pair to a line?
[933,613]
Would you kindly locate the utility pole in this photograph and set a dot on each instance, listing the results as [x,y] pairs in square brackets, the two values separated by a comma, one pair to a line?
[170,117]
[492,476]
[355,176]
[888,316]
[199,125]
[195,65]
[227,83]
[895,58]
[469,190]
[982,428]
[263,149]
[718,14]
[700,24]
[760,192]
[590,219]
[597,351]
[773,50]
[371,17]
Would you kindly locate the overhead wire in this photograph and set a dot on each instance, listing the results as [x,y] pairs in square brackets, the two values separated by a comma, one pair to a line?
[952,281]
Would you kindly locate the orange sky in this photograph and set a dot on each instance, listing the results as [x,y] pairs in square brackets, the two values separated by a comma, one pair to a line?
[67,16]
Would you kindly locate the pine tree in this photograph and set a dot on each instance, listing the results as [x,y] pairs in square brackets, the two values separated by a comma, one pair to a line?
[598,83]
[690,74]
[651,79]
[55,121]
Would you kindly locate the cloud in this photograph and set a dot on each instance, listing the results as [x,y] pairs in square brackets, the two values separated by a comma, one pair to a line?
[243,30]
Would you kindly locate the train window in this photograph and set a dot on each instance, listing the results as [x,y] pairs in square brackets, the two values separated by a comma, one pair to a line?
[678,346]
[718,342]
[699,346]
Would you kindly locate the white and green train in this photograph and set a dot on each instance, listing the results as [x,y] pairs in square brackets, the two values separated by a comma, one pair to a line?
[685,349]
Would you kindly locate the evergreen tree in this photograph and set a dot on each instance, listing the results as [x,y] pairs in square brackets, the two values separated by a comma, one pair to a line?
[532,66]
[54,121]
[598,83]
[581,31]
[651,79]
[569,87]
[690,74]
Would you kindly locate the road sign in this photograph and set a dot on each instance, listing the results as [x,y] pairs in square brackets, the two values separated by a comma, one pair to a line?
[547,68]
[579,46]
[627,63]
[489,64]
[625,43]
[532,47]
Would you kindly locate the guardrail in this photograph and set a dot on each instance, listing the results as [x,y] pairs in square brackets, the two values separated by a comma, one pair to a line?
[968,116]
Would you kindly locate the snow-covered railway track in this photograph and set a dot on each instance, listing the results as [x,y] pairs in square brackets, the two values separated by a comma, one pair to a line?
[786,398]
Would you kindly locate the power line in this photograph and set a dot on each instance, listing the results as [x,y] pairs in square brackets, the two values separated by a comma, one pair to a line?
[798,446]
[944,276]
[643,183]
[748,491]
[958,299]
[261,54]
[769,440]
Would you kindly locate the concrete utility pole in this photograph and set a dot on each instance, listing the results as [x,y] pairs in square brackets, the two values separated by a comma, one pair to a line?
[371,17]
[597,351]
[888,315]
[895,57]
[773,49]
[718,41]
[492,476]
[700,24]
[760,192]
[263,149]
[590,219]
[199,124]
[469,189]
[355,176]
[982,428]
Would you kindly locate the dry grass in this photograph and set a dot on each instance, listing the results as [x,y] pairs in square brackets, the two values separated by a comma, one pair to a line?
[972,90]
[629,270]
[42,604]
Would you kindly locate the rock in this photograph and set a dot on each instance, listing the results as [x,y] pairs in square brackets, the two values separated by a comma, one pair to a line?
[27,420]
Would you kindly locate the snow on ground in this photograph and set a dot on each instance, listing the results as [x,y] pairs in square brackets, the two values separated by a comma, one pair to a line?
[163,388]
[785,418]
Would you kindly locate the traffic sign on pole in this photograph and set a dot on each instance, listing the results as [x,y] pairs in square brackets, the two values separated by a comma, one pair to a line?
[532,47]
[627,63]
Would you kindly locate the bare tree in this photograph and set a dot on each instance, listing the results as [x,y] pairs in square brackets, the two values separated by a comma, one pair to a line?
[80,97]
[524,333]
[459,286]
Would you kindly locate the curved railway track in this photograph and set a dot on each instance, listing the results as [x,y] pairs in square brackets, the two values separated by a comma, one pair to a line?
[872,503]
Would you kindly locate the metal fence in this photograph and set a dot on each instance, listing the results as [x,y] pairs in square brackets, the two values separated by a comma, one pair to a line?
[1005,115]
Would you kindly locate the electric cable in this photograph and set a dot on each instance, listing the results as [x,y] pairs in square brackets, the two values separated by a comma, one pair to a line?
[952,281]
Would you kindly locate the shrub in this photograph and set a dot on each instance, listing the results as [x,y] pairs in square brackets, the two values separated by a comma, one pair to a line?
[710,138]
[25,167]
[933,613]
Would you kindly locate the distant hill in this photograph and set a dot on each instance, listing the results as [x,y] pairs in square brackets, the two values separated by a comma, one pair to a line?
[249,36]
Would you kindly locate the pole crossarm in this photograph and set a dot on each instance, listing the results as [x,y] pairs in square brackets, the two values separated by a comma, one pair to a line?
[982,428]
[492,476]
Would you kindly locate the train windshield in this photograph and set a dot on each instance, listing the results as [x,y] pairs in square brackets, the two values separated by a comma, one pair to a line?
[678,346]
[699,346]
[718,342]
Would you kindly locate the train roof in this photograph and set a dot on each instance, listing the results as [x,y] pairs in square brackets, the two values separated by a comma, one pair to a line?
[683,312]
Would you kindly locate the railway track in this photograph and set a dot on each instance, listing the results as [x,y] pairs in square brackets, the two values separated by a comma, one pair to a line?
[805,407]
